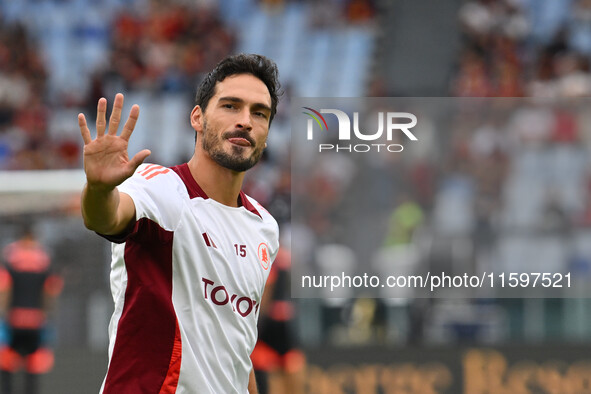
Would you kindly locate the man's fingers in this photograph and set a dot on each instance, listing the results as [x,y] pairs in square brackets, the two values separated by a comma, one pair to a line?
[131,121]
[101,122]
[116,114]
[138,159]
[84,129]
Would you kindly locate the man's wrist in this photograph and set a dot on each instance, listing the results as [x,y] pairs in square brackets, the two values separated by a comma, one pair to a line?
[99,188]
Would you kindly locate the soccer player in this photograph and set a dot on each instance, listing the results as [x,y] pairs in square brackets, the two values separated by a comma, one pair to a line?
[191,252]
[28,291]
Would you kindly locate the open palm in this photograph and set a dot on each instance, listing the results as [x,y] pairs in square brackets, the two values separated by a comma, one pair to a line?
[106,161]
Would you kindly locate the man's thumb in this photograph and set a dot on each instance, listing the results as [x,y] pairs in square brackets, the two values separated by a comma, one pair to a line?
[138,159]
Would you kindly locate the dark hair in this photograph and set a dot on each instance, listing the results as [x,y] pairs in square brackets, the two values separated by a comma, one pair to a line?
[26,229]
[261,67]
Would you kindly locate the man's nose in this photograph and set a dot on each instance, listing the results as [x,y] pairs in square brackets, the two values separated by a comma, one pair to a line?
[244,120]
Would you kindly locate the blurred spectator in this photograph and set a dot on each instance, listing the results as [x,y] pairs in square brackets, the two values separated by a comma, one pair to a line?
[565,130]
[579,27]
[406,217]
[473,78]
[360,11]
[554,219]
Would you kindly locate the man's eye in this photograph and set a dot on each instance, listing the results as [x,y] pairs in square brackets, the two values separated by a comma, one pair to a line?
[228,106]
[261,114]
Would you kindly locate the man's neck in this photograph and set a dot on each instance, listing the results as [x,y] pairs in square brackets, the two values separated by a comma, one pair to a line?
[219,183]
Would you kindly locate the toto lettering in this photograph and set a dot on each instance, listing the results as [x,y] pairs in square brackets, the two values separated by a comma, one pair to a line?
[388,122]
[220,296]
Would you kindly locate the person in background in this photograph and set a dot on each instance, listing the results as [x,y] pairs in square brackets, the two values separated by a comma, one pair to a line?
[28,291]
[278,362]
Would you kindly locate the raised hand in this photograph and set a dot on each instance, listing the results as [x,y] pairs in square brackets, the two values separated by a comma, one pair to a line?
[106,161]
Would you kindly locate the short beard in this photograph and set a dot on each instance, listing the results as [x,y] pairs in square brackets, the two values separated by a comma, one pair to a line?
[212,144]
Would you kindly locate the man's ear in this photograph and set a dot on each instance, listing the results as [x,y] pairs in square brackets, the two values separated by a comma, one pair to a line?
[197,119]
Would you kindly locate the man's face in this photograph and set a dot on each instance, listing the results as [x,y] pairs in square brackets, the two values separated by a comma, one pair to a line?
[236,123]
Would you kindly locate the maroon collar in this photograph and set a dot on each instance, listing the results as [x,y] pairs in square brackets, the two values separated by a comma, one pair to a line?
[192,187]
[195,190]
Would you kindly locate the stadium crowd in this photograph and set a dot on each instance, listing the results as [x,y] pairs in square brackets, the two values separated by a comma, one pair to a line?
[517,48]
[164,48]
[24,115]
[510,48]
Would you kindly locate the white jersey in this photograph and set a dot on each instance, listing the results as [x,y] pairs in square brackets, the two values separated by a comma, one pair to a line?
[187,282]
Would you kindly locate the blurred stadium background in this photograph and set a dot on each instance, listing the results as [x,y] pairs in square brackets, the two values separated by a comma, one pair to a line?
[57,57]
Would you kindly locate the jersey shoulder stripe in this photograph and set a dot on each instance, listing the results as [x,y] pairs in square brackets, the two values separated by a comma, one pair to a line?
[157,193]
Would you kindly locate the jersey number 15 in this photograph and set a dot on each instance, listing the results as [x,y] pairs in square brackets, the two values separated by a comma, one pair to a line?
[240,250]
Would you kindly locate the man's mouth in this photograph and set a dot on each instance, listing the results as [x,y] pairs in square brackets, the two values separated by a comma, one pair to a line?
[239,141]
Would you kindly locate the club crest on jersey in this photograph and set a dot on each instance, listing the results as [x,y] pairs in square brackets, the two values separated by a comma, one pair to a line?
[263,254]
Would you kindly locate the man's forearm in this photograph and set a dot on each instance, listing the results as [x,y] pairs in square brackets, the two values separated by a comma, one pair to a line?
[99,209]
